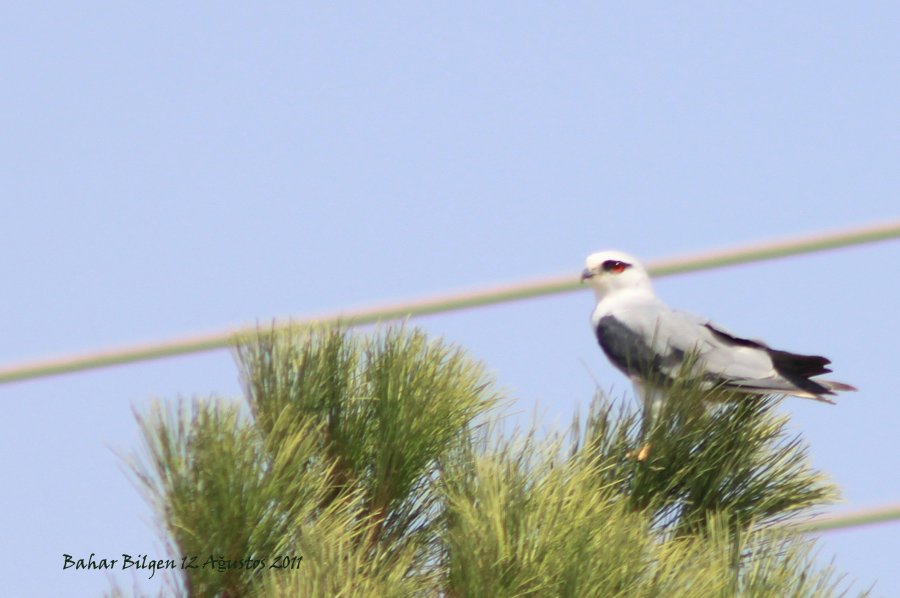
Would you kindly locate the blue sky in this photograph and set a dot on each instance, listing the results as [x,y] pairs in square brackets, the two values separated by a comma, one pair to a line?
[172,168]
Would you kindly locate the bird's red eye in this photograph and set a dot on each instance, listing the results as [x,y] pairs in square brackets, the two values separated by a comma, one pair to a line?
[615,266]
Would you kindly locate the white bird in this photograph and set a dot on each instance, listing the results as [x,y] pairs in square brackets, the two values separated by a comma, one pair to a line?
[649,341]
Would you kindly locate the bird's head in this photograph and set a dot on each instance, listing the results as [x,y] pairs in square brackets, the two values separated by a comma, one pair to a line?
[611,271]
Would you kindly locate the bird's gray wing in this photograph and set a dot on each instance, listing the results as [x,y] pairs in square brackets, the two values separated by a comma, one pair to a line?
[647,339]
[745,364]
[656,339]
[791,372]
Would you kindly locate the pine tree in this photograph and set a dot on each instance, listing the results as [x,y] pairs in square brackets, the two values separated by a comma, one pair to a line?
[380,460]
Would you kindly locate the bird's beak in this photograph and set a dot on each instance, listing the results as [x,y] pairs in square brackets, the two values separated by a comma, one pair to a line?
[587,273]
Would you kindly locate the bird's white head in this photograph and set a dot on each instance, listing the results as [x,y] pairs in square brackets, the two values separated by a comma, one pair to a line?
[614,271]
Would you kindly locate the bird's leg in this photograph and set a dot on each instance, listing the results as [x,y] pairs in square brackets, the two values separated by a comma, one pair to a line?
[652,399]
[642,454]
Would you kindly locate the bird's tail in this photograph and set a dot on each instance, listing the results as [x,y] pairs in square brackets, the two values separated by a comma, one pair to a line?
[833,386]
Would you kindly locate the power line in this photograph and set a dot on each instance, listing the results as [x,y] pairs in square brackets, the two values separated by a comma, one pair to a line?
[824,523]
[444,303]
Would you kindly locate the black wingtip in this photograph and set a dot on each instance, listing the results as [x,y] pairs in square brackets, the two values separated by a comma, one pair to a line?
[792,364]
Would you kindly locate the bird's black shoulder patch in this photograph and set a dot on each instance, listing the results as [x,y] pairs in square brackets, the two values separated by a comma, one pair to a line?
[627,349]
